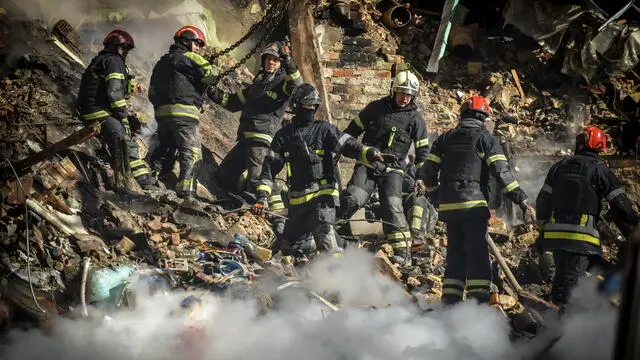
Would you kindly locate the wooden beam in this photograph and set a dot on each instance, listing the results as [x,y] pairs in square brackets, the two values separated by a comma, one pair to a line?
[306,51]
[76,138]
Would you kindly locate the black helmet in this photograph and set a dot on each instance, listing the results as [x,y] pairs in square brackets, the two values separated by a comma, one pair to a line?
[305,94]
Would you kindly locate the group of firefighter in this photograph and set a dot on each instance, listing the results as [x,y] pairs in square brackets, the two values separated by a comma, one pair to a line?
[452,174]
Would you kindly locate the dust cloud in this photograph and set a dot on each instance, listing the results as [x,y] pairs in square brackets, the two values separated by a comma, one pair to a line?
[304,329]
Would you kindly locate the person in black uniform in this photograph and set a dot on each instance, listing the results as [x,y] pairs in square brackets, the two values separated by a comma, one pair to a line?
[458,167]
[179,81]
[263,104]
[390,124]
[104,89]
[306,148]
[568,207]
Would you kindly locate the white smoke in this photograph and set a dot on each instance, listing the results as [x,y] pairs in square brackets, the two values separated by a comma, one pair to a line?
[300,328]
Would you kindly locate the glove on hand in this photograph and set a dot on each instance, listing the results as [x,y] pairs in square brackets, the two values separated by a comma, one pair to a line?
[260,206]
[527,212]
[419,188]
[215,94]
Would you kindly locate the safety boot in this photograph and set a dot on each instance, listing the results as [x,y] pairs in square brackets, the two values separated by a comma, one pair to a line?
[402,256]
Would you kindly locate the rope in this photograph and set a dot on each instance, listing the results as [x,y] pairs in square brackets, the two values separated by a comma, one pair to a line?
[26,219]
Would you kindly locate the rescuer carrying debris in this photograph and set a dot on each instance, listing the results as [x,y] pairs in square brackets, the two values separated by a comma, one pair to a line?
[568,207]
[106,84]
[390,124]
[458,167]
[263,104]
[306,148]
[178,83]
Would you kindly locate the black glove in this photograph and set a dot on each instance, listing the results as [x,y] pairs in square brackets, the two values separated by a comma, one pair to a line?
[134,123]
[287,60]
[419,188]
[216,94]
[261,205]
[527,214]
[373,155]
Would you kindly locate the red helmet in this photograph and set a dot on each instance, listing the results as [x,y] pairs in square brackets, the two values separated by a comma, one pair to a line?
[476,103]
[594,138]
[190,33]
[119,38]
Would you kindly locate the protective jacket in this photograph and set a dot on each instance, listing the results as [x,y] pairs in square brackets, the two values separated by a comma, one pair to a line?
[105,85]
[391,129]
[263,103]
[179,81]
[307,152]
[463,158]
[568,204]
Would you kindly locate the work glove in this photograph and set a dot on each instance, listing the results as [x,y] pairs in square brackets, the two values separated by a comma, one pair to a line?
[373,155]
[135,125]
[284,51]
[261,205]
[419,188]
[216,95]
[527,212]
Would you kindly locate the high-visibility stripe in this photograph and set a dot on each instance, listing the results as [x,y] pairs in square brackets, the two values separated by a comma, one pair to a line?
[416,210]
[174,113]
[572,236]
[178,110]
[399,235]
[363,154]
[359,122]
[118,104]
[434,158]
[272,94]
[422,142]
[136,163]
[416,222]
[497,157]
[613,194]
[185,185]
[478,282]
[402,244]
[110,76]
[588,228]
[288,166]
[583,219]
[481,155]
[293,76]
[390,169]
[478,290]
[454,282]
[547,188]
[140,172]
[463,205]
[419,165]
[319,152]
[203,63]
[96,115]
[511,186]
[276,206]
[452,291]
[256,135]
[264,187]
[391,136]
[313,195]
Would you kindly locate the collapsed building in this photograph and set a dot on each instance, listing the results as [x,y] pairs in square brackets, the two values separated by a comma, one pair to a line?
[69,242]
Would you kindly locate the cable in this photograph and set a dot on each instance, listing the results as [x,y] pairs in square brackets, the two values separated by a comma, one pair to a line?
[26,219]
[83,287]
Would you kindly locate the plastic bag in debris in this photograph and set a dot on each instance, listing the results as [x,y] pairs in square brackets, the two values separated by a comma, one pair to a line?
[103,283]
[44,279]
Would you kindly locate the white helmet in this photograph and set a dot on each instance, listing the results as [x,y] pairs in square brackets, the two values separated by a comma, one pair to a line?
[405,82]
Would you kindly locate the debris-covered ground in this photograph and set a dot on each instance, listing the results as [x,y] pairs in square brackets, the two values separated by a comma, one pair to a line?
[90,253]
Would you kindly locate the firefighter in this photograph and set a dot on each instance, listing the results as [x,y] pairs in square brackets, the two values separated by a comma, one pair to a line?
[178,84]
[306,148]
[568,207]
[390,124]
[263,104]
[461,160]
[106,84]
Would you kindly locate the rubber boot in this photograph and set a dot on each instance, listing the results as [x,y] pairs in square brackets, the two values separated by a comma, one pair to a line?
[402,256]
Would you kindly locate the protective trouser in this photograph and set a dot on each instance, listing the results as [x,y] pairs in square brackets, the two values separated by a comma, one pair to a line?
[122,148]
[468,263]
[246,155]
[421,216]
[181,134]
[570,266]
[315,218]
[362,184]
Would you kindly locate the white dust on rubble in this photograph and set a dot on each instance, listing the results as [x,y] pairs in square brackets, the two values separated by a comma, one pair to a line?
[235,329]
